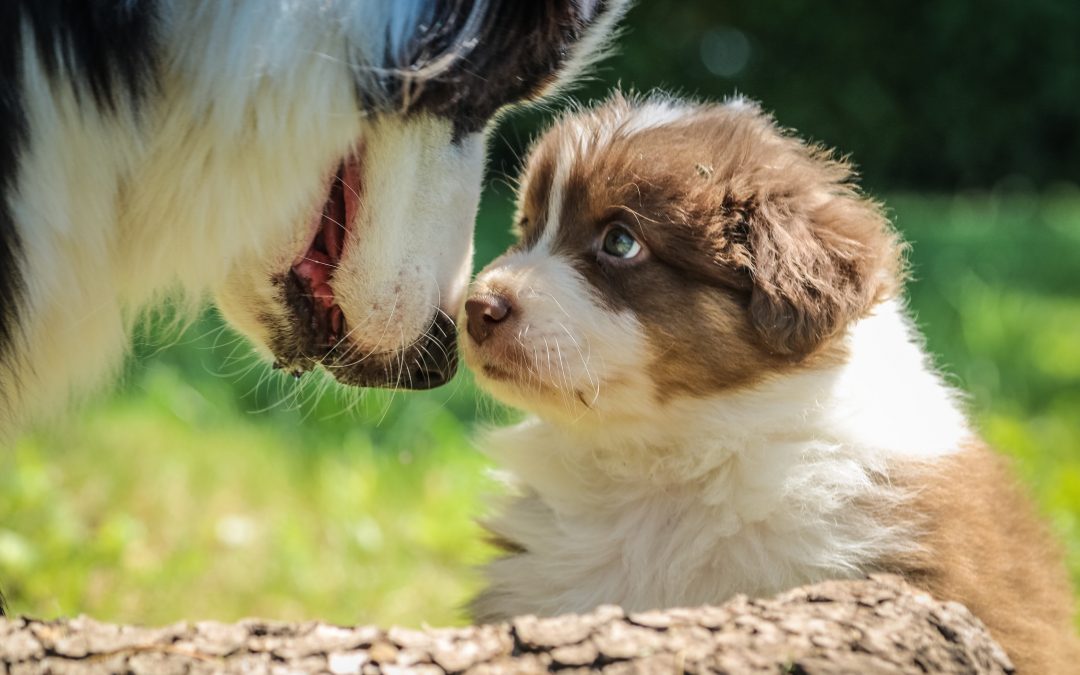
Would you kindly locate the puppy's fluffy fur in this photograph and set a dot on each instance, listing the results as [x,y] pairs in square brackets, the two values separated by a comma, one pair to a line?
[316,164]
[704,316]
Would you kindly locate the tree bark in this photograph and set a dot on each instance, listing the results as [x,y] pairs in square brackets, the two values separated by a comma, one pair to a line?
[877,625]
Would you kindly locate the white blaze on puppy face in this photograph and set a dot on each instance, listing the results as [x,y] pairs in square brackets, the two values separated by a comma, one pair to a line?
[565,354]
[562,352]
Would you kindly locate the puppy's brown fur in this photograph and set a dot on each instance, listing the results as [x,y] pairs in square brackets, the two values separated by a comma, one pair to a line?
[984,545]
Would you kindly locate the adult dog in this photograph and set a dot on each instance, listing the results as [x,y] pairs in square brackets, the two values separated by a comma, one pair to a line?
[317,165]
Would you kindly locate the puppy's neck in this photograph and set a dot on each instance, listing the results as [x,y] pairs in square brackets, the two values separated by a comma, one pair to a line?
[883,402]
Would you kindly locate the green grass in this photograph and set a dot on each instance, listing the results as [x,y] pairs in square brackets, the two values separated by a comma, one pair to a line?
[163,504]
[205,487]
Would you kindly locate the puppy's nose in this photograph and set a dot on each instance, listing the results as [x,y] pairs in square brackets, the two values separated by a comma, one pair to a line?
[485,313]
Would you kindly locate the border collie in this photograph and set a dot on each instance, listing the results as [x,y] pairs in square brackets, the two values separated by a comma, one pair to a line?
[705,317]
[316,165]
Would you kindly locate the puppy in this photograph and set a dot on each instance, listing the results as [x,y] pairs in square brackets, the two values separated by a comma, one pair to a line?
[316,165]
[705,318]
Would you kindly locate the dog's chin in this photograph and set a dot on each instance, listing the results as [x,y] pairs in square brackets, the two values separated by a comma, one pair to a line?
[425,363]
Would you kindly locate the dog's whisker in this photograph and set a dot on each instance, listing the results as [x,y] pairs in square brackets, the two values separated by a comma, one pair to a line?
[333,266]
[351,189]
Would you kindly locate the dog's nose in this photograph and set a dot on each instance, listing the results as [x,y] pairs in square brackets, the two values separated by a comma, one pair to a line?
[485,312]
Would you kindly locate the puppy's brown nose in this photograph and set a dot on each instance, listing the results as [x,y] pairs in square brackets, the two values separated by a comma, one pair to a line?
[485,313]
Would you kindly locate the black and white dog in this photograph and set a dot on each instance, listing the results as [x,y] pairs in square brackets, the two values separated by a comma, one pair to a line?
[316,164]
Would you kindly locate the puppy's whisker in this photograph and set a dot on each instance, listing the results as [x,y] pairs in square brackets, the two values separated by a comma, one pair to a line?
[557,303]
[638,215]
[594,381]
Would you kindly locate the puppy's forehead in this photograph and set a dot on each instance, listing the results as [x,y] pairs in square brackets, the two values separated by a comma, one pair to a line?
[614,163]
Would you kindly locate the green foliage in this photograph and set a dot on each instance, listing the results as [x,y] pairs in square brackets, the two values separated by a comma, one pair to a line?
[925,95]
[997,294]
[209,487]
[163,504]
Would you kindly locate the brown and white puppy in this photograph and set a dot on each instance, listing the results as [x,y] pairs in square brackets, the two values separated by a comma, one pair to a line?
[705,317]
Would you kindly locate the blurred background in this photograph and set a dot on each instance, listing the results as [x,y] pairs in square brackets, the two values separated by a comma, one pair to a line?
[205,486]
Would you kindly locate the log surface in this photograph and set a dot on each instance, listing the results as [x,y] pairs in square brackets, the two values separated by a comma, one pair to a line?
[877,625]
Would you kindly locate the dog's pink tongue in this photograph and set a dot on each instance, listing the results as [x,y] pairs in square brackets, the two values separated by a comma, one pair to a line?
[315,268]
[323,295]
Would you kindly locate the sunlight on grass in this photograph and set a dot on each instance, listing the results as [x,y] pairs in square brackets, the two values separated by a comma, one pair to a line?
[207,487]
[157,507]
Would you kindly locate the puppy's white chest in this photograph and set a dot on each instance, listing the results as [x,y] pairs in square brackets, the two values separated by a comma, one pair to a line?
[692,545]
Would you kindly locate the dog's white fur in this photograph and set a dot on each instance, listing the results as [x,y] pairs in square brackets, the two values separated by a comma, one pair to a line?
[215,179]
[126,209]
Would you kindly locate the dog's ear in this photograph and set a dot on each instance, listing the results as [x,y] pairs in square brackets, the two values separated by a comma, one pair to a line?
[587,28]
[814,270]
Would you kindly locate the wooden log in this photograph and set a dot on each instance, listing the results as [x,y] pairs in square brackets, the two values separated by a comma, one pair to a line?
[877,625]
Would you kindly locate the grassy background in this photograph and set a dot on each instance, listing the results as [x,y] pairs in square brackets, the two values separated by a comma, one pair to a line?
[206,486]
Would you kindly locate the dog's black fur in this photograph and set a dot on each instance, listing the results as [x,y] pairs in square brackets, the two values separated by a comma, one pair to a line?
[524,45]
[108,47]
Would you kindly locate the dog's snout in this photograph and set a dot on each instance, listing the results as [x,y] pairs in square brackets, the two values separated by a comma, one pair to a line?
[485,312]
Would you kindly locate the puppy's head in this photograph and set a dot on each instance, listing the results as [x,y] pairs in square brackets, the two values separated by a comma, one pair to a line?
[367,284]
[670,250]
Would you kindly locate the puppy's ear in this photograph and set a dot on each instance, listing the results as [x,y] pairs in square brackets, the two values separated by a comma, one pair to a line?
[814,271]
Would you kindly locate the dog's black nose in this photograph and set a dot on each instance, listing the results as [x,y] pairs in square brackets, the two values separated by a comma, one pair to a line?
[486,311]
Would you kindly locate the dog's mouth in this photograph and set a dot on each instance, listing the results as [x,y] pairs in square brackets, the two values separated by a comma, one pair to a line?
[317,330]
[312,272]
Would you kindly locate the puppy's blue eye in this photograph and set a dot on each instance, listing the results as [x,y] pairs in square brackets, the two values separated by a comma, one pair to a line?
[621,244]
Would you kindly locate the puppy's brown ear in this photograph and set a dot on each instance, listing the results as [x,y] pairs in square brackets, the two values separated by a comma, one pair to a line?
[815,270]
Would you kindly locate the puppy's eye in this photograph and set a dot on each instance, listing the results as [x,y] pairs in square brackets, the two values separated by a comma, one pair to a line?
[619,243]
